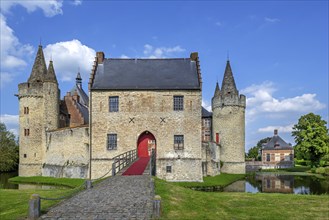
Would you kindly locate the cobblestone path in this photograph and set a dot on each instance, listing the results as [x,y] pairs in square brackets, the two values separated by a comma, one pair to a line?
[118,197]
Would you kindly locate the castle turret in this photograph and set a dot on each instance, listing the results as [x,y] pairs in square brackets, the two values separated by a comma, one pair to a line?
[39,69]
[229,123]
[38,111]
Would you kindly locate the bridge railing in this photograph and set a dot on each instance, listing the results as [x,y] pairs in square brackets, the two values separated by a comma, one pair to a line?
[123,160]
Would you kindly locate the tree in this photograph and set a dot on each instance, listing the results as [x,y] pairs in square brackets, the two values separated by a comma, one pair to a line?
[8,150]
[254,151]
[311,137]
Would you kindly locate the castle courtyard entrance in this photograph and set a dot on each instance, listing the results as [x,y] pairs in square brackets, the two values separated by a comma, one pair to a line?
[145,144]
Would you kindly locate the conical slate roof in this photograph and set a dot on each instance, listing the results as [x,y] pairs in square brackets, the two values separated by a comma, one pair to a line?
[217,90]
[228,85]
[39,69]
[51,76]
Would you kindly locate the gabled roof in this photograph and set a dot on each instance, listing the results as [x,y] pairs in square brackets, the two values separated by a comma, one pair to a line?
[276,143]
[147,74]
[206,113]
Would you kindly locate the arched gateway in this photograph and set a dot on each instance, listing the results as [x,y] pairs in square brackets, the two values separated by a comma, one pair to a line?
[145,143]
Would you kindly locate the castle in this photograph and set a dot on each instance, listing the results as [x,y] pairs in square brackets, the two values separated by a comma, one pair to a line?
[140,104]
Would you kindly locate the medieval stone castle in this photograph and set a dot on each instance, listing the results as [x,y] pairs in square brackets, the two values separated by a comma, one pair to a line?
[140,104]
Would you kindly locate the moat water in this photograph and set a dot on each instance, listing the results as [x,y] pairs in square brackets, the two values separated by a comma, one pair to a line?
[275,183]
[5,184]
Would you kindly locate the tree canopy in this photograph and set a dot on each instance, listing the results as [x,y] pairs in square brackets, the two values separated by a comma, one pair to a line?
[311,137]
[8,150]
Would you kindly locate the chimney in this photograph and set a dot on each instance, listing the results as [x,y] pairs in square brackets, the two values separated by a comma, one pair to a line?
[275,132]
[100,57]
[194,56]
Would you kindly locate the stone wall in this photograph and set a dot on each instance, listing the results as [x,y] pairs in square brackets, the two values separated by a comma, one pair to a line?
[229,122]
[67,153]
[30,145]
[210,159]
[151,111]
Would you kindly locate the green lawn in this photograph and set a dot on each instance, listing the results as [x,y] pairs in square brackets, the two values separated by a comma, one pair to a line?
[69,182]
[14,203]
[223,179]
[183,203]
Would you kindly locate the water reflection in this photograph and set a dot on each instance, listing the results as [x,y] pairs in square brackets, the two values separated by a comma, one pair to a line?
[278,183]
[275,183]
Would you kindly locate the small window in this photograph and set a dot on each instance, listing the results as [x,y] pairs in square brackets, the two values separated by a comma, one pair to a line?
[168,169]
[268,157]
[178,103]
[112,141]
[26,110]
[26,132]
[114,103]
[178,142]
[207,122]
[25,155]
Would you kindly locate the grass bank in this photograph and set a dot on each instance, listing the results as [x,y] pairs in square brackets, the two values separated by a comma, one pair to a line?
[223,179]
[48,181]
[183,203]
[14,203]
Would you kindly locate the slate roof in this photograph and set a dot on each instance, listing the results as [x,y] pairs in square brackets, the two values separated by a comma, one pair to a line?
[206,113]
[147,74]
[84,111]
[277,143]
[84,99]
[228,84]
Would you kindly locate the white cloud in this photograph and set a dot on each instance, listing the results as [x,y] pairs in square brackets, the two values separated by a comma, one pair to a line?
[11,122]
[161,52]
[5,78]
[68,56]
[77,2]
[124,56]
[260,100]
[206,105]
[12,51]
[282,129]
[50,8]
[271,20]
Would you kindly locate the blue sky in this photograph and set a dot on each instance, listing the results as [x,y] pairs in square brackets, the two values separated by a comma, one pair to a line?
[278,49]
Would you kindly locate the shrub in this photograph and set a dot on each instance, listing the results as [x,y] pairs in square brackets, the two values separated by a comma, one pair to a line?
[320,170]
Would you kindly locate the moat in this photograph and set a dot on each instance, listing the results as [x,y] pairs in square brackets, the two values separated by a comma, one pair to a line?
[275,183]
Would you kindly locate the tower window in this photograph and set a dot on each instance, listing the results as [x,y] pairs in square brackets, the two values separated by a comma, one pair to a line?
[112,141]
[114,103]
[25,155]
[179,142]
[26,110]
[168,169]
[178,103]
[26,132]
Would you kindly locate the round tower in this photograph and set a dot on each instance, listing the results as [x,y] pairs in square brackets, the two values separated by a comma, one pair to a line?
[229,124]
[38,110]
